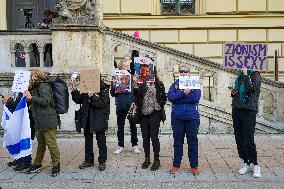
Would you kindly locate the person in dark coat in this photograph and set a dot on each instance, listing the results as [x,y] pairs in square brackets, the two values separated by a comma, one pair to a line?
[150,99]
[245,95]
[45,119]
[123,102]
[185,121]
[94,115]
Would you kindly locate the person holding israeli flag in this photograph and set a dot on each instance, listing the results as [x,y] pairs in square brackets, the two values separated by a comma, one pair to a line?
[17,137]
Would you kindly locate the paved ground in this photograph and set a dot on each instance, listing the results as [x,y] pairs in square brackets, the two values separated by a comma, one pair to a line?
[217,158]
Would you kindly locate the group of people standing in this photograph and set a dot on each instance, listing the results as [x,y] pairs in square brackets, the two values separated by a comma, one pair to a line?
[149,99]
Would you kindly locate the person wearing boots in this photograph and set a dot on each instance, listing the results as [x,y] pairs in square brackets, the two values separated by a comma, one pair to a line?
[185,121]
[150,99]
[245,95]
[94,115]
[45,121]
[123,102]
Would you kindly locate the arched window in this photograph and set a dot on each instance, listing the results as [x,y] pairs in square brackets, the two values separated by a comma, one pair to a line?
[20,55]
[47,56]
[34,55]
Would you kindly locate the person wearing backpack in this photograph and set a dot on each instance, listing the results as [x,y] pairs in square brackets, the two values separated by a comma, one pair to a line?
[185,121]
[245,95]
[45,119]
[94,115]
[123,102]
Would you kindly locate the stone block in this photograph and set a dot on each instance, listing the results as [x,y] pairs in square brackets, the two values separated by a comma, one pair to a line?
[276,35]
[111,7]
[187,48]
[221,6]
[144,34]
[164,36]
[251,5]
[275,5]
[136,6]
[188,36]
[222,35]
[272,47]
[252,35]
[208,50]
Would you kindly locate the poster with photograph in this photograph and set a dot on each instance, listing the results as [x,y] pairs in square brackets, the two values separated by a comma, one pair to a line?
[90,81]
[192,82]
[21,81]
[122,81]
[144,69]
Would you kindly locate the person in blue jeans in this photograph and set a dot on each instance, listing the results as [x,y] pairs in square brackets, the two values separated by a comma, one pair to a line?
[185,121]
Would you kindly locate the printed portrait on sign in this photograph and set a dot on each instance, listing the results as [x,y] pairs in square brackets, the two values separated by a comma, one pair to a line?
[144,70]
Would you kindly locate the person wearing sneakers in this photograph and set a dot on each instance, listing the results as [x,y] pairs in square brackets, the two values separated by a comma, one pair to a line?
[94,115]
[45,120]
[150,99]
[245,95]
[185,121]
[123,102]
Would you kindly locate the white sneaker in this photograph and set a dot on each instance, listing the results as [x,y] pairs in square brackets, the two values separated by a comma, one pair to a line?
[118,150]
[256,171]
[244,169]
[136,149]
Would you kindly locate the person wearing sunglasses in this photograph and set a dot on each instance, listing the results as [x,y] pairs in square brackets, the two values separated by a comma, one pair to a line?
[185,121]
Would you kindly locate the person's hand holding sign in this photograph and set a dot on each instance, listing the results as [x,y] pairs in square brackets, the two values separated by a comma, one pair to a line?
[28,95]
[187,91]
[90,93]
[244,70]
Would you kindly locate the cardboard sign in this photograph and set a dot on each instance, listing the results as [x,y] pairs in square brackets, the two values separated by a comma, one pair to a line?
[144,69]
[122,81]
[251,55]
[192,82]
[90,81]
[21,81]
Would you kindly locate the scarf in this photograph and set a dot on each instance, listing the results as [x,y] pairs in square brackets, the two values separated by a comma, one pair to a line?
[241,87]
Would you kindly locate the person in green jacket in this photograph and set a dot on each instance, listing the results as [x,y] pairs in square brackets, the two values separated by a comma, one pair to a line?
[45,119]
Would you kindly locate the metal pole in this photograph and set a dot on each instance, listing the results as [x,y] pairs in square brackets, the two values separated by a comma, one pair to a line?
[209,89]
[276,74]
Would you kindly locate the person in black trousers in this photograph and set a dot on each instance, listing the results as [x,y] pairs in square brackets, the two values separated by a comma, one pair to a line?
[150,99]
[93,117]
[245,106]
[123,101]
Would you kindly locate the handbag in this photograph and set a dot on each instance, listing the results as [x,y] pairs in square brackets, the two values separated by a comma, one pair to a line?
[133,114]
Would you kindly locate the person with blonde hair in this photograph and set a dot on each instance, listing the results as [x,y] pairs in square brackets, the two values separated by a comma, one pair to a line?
[45,119]
[123,102]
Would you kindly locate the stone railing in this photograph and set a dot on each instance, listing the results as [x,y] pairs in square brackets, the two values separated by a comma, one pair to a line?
[215,114]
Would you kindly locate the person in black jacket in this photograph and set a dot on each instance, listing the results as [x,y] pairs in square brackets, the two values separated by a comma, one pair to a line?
[94,115]
[150,99]
[24,162]
[244,109]
[123,102]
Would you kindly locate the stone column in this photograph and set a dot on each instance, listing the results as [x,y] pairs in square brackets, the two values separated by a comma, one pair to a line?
[77,40]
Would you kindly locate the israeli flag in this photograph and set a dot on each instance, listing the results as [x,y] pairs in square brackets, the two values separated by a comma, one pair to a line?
[17,135]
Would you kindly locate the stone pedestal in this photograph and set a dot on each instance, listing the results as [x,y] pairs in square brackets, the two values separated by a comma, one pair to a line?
[78,39]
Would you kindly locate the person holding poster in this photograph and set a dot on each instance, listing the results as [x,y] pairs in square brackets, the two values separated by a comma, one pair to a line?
[93,118]
[185,121]
[11,103]
[123,101]
[245,95]
[45,119]
[144,69]
[150,99]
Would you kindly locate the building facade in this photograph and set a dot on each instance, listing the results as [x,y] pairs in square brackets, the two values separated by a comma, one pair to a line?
[199,27]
